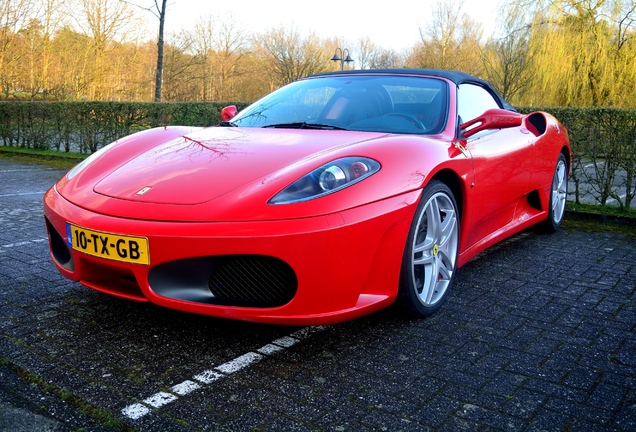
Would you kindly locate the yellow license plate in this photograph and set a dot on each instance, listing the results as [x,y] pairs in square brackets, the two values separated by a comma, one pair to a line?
[116,247]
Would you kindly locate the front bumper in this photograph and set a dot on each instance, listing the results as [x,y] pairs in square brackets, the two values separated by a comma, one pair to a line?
[345,264]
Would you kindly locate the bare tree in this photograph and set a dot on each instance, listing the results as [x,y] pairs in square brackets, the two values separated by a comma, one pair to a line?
[51,15]
[443,32]
[370,56]
[161,14]
[13,14]
[105,21]
[35,45]
[158,9]
[180,71]
[230,47]
[624,19]
[507,60]
[290,56]
[364,50]
[219,47]
[450,40]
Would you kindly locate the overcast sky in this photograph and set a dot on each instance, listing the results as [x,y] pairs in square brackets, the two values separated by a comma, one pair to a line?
[390,24]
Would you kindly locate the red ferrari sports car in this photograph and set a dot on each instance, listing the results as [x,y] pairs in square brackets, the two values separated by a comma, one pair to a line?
[332,197]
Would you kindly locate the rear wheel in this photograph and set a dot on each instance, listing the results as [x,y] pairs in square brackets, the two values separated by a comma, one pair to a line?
[558,196]
[430,255]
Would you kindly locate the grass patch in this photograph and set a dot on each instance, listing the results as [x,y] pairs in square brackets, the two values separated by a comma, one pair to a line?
[52,158]
[597,218]
[596,226]
[629,213]
[54,154]
[102,416]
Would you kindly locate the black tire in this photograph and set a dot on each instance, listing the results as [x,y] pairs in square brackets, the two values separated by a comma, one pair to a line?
[430,254]
[558,196]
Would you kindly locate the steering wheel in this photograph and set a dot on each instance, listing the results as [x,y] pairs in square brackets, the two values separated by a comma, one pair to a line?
[418,124]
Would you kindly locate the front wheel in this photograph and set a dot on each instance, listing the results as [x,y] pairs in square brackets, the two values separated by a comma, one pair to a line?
[430,254]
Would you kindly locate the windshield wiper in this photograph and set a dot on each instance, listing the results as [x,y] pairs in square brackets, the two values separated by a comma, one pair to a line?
[227,124]
[304,125]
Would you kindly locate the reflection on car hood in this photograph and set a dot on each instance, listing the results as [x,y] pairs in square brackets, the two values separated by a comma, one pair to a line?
[212,162]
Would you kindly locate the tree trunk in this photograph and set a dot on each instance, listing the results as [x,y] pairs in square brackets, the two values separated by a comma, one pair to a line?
[158,77]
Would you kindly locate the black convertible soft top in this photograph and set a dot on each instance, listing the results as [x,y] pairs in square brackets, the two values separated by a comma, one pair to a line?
[455,76]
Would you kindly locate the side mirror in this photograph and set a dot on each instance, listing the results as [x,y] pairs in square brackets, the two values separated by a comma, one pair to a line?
[491,119]
[228,113]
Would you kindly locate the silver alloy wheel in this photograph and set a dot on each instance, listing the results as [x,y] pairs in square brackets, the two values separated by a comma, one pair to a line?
[559,191]
[434,252]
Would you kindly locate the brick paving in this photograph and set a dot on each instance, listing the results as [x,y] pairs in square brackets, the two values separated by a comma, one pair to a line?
[537,334]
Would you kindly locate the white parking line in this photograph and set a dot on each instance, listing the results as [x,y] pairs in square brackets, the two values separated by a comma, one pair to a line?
[208,376]
[239,363]
[159,399]
[611,200]
[590,165]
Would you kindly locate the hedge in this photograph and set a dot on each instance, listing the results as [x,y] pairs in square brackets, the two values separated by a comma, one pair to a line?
[86,126]
[603,139]
[603,144]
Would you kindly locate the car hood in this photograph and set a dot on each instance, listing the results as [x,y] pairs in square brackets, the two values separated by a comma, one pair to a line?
[230,174]
[209,163]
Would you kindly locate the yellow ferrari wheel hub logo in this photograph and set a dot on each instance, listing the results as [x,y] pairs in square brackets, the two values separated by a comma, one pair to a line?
[435,250]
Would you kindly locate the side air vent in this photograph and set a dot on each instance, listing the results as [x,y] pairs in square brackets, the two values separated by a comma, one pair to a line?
[536,124]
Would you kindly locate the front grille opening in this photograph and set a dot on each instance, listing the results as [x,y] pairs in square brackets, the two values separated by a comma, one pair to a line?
[253,280]
[59,249]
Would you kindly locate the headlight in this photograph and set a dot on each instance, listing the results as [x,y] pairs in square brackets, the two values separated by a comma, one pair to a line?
[329,178]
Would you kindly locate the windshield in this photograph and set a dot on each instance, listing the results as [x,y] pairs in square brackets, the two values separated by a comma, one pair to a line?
[374,103]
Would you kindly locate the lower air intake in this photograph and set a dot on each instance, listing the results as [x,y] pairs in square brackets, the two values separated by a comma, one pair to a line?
[253,280]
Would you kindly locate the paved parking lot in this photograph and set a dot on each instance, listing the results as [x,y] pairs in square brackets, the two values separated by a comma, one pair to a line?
[538,334]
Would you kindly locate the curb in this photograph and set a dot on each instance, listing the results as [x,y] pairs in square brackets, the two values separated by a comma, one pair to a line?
[600,218]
